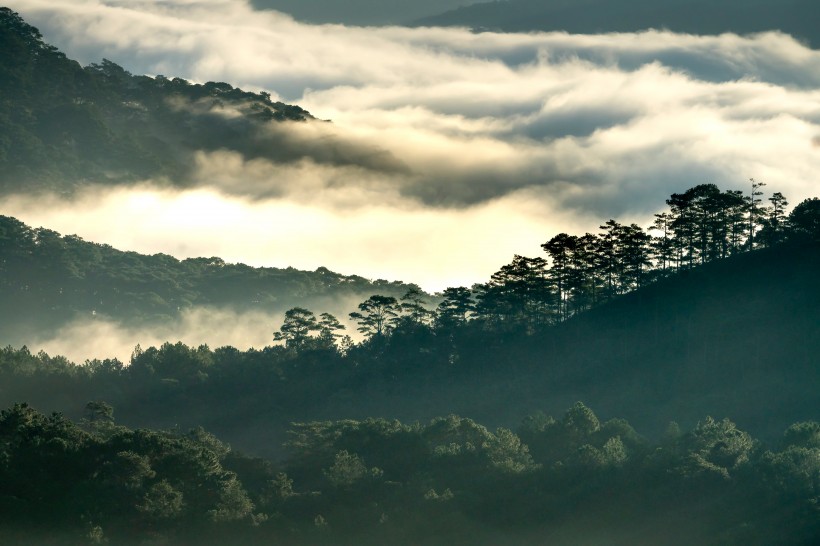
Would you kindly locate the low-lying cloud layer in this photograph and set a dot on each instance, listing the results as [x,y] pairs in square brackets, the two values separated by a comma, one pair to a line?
[86,339]
[449,151]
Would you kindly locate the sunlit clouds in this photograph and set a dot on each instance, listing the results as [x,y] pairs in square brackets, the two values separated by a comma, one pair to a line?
[448,151]
[433,245]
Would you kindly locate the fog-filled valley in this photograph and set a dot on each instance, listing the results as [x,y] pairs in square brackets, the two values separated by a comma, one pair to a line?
[325,282]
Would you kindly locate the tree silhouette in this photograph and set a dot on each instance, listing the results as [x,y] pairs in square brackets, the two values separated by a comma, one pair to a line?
[519,294]
[456,307]
[329,328]
[753,213]
[412,306]
[377,315]
[561,250]
[804,220]
[296,328]
[774,224]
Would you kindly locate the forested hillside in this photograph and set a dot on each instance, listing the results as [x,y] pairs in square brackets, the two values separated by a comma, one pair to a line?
[48,280]
[678,337]
[64,125]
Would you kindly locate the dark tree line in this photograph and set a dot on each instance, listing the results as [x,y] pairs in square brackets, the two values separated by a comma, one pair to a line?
[702,224]
[571,480]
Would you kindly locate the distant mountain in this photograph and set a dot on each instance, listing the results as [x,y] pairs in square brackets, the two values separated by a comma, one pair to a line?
[359,12]
[48,280]
[796,17]
[64,125]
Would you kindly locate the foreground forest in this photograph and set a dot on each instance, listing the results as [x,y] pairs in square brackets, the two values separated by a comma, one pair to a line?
[575,480]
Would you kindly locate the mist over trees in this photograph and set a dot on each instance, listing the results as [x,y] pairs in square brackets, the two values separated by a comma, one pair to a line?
[718,293]
[48,280]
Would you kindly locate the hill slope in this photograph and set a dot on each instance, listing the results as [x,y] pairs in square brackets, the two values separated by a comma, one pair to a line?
[738,337]
[48,280]
[358,12]
[64,125]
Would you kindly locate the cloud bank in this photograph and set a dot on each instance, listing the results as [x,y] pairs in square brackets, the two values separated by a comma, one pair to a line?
[86,339]
[449,151]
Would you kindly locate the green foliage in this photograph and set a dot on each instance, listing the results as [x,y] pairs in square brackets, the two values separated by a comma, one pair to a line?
[377,315]
[142,486]
[126,481]
[161,502]
[580,421]
[349,468]
[804,220]
[174,361]
[806,434]
[715,447]
[48,280]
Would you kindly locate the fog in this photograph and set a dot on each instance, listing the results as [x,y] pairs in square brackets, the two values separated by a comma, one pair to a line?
[101,338]
[87,338]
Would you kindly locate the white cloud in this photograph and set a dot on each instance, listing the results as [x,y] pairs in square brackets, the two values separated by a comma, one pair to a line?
[449,150]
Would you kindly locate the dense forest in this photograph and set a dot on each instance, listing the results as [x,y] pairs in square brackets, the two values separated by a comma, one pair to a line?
[48,280]
[63,125]
[575,480]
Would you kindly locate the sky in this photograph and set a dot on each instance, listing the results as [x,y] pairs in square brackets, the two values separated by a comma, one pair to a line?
[461,149]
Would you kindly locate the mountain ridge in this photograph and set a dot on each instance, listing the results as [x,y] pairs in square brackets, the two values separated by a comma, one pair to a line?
[47,280]
[596,16]
[64,125]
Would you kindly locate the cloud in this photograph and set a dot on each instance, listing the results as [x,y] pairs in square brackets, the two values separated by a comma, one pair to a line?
[85,339]
[443,137]
[89,338]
